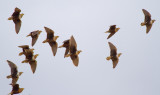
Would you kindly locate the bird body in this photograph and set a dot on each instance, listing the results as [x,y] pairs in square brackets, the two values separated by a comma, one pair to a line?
[112,30]
[14,72]
[34,35]
[73,52]
[31,59]
[16,89]
[51,39]
[148,22]
[113,55]
[16,17]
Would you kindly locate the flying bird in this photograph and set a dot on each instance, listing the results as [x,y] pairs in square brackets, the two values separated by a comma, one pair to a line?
[148,22]
[73,52]
[34,35]
[31,59]
[23,49]
[16,89]
[51,39]
[112,30]
[113,54]
[14,72]
[16,17]
[65,45]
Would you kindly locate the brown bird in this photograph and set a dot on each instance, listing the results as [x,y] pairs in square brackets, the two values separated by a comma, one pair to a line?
[147,21]
[23,49]
[112,30]
[14,72]
[16,17]
[65,45]
[34,35]
[113,55]
[73,52]
[16,89]
[31,59]
[51,39]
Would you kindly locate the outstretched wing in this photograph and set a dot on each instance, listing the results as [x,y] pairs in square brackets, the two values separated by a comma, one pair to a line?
[17,25]
[13,67]
[113,49]
[54,47]
[147,16]
[72,45]
[110,35]
[33,65]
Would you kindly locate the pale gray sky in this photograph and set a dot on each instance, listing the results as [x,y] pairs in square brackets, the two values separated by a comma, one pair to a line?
[138,71]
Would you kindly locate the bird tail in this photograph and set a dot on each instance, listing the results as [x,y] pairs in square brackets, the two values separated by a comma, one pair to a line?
[108,58]
[142,24]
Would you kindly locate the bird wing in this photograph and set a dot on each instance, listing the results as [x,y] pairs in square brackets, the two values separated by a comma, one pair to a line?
[49,31]
[13,67]
[17,25]
[115,62]
[148,28]
[147,16]
[110,35]
[34,39]
[54,47]
[24,46]
[75,59]
[33,65]
[66,52]
[72,45]
[113,49]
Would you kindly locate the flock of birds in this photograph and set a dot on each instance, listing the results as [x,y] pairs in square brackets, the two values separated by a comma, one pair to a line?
[70,45]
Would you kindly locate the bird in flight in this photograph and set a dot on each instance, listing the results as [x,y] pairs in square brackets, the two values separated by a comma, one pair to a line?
[34,35]
[148,22]
[113,55]
[14,72]
[73,52]
[16,17]
[51,39]
[112,30]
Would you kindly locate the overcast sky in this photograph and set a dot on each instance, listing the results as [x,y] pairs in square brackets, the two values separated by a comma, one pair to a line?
[138,70]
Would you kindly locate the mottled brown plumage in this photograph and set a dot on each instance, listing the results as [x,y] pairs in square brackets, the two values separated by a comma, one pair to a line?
[147,21]
[23,49]
[31,59]
[16,89]
[16,17]
[113,54]
[51,39]
[14,72]
[34,35]
[112,30]
[65,45]
[73,52]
